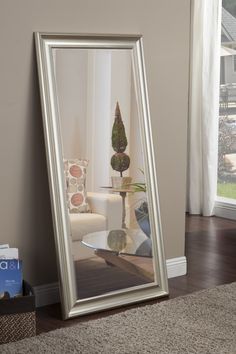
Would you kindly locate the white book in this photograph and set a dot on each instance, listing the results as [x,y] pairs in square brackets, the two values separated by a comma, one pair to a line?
[4,246]
[9,253]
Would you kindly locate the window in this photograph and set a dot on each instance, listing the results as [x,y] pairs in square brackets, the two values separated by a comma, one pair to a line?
[234,62]
[227,106]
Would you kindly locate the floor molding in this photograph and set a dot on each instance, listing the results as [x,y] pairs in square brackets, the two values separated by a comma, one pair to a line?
[225,208]
[48,294]
[176,267]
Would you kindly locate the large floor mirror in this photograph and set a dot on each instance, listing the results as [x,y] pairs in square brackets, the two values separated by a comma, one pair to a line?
[102,171]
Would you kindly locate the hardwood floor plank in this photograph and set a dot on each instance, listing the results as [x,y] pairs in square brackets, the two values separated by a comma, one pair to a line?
[94,277]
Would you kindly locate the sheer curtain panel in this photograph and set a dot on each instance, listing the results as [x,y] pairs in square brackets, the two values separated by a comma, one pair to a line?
[203,106]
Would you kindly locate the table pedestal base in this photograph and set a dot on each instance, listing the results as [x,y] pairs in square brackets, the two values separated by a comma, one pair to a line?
[129,264]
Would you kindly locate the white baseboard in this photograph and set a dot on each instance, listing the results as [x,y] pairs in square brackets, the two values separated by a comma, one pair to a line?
[49,293]
[225,208]
[176,267]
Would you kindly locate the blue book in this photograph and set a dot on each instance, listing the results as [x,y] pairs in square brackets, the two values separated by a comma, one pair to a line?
[10,278]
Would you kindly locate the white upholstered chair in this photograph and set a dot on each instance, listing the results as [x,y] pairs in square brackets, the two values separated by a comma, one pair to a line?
[106,214]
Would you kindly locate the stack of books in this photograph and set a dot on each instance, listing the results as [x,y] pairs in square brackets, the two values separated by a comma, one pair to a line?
[10,272]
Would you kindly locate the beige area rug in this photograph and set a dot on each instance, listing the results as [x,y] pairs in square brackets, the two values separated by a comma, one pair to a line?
[200,323]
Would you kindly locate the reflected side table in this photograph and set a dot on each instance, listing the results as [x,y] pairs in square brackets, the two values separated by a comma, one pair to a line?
[123,193]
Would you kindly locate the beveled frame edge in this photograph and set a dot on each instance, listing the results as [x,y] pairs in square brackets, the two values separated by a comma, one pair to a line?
[70,307]
[51,154]
[151,178]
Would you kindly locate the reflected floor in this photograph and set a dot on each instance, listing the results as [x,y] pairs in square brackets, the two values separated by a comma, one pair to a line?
[95,277]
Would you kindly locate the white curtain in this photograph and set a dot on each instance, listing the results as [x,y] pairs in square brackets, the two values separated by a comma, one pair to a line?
[203,106]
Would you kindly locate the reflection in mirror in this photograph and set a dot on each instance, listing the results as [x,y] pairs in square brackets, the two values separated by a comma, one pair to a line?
[104,170]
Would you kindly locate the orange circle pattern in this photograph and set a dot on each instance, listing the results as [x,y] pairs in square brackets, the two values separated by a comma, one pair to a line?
[77,199]
[76,171]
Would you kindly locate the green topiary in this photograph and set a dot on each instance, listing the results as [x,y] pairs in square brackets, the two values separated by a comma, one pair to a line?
[120,161]
[118,138]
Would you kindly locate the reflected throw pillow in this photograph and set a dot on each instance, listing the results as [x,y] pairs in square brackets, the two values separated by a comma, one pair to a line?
[75,174]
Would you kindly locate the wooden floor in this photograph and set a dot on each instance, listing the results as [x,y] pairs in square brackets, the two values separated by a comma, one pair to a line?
[210,252]
[95,277]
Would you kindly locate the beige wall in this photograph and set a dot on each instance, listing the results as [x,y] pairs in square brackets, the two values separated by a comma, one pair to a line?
[25,218]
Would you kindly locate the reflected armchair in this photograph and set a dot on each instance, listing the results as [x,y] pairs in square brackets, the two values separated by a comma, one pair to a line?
[106,214]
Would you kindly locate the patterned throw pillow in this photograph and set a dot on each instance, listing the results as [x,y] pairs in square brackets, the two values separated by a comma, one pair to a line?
[75,174]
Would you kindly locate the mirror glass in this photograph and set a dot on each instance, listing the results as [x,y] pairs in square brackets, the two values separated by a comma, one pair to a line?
[104,172]
[113,245]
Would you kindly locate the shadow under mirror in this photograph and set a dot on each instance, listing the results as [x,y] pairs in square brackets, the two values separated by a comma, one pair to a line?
[104,170]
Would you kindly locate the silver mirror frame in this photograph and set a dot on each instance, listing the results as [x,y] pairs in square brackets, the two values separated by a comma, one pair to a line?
[71,307]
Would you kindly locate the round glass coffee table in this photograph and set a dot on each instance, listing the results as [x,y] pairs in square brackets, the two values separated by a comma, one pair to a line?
[123,248]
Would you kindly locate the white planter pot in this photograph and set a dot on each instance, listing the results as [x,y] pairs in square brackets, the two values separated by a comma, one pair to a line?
[121,182]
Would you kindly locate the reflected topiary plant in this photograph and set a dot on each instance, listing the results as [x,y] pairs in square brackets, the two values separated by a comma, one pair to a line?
[120,161]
